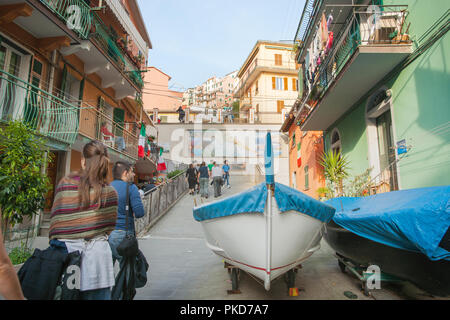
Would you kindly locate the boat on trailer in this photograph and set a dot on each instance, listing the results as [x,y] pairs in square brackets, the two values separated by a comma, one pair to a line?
[405,233]
[266,231]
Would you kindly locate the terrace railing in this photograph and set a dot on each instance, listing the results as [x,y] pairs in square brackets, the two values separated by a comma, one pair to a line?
[365,25]
[75,13]
[108,44]
[49,115]
[124,141]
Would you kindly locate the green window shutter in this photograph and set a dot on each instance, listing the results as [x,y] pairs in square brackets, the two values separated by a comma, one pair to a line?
[119,119]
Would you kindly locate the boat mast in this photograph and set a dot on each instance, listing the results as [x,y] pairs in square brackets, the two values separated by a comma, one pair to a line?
[270,183]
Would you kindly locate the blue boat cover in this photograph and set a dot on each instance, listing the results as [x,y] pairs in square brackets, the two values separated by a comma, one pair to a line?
[254,201]
[414,220]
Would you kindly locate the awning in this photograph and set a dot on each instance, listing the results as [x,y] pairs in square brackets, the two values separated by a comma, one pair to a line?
[145,167]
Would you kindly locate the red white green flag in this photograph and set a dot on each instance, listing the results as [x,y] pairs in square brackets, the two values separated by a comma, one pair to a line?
[142,139]
[161,163]
[299,154]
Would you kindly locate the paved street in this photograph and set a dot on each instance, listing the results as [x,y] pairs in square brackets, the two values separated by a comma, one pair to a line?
[182,267]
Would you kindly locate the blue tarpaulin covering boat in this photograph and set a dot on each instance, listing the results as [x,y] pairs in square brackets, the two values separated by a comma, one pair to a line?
[414,220]
[254,201]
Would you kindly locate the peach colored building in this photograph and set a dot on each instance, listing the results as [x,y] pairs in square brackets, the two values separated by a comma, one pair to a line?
[159,101]
[268,83]
[305,150]
[71,81]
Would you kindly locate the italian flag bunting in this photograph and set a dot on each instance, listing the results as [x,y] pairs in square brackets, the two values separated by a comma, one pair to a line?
[299,154]
[142,138]
[161,162]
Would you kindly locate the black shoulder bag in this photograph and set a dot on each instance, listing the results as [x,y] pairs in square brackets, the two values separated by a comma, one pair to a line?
[128,248]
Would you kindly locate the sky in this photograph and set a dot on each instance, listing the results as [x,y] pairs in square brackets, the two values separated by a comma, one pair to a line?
[194,40]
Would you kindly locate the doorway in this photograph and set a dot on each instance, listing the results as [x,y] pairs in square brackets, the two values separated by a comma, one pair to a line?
[386,148]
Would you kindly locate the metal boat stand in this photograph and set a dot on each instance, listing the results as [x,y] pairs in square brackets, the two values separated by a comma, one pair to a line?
[289,279]
[234,273]
[362,274]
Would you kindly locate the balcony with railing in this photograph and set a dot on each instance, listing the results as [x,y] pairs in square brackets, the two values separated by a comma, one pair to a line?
[264,65]
[351,56]
[76,14]
[109,45]
[93,123]
[50,116]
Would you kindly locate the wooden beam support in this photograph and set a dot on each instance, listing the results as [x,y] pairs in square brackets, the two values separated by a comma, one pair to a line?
[8,13]
[53,43]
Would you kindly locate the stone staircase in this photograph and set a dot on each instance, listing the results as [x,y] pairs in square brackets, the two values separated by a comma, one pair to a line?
[45,225]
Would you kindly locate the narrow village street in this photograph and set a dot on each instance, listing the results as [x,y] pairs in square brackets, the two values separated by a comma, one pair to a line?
[327,117]
[183,268]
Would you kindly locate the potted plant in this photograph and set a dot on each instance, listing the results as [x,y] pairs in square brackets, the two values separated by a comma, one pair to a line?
[323,192]
[335,168]
[23,185]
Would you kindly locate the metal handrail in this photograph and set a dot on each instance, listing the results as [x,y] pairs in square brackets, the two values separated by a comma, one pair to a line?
[161,185]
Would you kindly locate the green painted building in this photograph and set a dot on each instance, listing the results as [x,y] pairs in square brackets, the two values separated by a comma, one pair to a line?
[375,78]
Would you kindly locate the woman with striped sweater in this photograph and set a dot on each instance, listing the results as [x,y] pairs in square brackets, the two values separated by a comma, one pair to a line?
[83,215]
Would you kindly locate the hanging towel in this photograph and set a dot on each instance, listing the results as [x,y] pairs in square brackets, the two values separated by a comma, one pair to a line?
[324,31]
[329,21]
[330,41]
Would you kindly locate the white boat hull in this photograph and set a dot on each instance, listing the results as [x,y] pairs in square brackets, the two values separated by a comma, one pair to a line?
[246,241]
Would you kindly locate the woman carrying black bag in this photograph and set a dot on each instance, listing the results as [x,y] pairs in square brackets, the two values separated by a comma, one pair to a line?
[122,240]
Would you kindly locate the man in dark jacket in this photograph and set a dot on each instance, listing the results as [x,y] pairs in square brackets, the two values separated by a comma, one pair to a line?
[181,114]
[123,175]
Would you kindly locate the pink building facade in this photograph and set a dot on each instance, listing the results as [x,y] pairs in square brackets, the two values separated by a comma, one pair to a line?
[159,101]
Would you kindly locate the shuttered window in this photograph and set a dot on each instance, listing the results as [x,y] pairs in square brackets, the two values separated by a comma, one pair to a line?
[273,83]
[294,85]
[278,60]
[285,84]
[306,177]
[280,106]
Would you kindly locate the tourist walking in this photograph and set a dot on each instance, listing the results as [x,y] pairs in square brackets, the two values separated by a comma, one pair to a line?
[123,175]
[191,176]
[217,174]
[226,173]
[204,180]
[83,215]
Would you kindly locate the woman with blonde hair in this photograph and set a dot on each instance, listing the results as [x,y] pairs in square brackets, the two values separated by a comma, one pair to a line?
[83,215]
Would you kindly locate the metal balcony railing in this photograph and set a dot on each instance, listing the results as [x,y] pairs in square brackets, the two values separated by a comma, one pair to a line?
[91,122]
[108,44]
[49,115]
[365,26]
[75,13]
